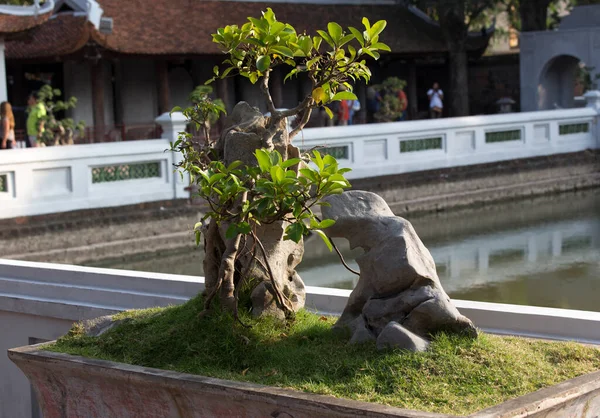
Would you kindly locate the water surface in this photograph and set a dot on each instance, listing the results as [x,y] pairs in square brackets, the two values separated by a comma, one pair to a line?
[542,252]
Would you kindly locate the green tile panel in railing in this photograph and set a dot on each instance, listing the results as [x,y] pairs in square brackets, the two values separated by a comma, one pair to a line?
[423,144]
[573,128]
[341,152]
[503,136]
[119,172]
[3,183]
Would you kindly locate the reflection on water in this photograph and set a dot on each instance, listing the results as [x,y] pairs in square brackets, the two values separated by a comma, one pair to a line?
[543,252]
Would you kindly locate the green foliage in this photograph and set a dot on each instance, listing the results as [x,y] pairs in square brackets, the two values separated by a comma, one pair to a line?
[330,58]
[204,111]
[58,131]
[455,376]
[246,197]
[588,78]
[390,108]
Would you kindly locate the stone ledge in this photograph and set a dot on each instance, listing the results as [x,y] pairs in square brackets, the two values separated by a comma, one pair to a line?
[179,394]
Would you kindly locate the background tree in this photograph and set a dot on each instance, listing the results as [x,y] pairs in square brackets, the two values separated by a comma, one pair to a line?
[391,108]
[456,19]
[58,131]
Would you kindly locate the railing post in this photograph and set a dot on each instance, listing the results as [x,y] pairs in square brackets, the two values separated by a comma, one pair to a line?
[171,125]
[593,102]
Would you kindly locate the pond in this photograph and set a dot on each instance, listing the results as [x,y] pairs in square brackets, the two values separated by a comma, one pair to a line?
[541,252]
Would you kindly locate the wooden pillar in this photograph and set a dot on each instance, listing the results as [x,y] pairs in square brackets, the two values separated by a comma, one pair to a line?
[223,92]
[413,107]
[361,93]
[97,75]
[118,92]
[276,87]
[162,75]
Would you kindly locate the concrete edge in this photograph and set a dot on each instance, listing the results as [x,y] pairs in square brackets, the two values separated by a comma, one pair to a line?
[244,390]
[544,399]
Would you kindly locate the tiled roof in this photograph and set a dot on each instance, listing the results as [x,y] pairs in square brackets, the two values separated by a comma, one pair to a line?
[62,35]
[10,24]
[179,27]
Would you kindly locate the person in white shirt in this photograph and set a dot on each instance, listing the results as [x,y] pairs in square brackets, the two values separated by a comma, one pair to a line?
[436,104]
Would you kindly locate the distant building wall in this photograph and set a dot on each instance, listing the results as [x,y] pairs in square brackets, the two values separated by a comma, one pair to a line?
[492,78]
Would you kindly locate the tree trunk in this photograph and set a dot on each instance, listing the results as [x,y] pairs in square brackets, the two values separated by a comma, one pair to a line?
[534,15]
[264,270]
[459,81]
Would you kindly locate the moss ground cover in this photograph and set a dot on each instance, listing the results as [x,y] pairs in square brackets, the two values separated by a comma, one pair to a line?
[456,375]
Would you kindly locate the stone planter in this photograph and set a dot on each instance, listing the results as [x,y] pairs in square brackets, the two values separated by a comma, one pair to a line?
[72,386]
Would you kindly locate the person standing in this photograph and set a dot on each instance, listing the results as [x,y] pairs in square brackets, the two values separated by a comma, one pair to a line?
[403,104]
[436,101]
[8,126]
[353,109]
[343,112]
[35,122]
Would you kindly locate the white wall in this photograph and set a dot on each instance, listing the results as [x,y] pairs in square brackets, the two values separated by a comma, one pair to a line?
[375,149]
[58,179]
[18,328]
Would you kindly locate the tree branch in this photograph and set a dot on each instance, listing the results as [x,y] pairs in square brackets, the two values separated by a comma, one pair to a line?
[302,124]
[264,87]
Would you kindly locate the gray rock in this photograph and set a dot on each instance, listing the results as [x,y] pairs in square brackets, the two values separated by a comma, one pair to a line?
[98,326]
[395,335]
[398,280]
[361,334]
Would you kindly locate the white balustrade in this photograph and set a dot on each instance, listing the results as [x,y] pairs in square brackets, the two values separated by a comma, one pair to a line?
[45,180]
[57,179]
[400,147]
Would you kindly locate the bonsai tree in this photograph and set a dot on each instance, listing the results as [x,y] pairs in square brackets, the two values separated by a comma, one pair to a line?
[259,189]
[391,108]
[58,131]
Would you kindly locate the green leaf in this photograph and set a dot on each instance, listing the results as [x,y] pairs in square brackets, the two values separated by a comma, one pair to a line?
[227,71]
[318,160]
[216,70]
[263,62]
[232,231]
[317,42]
[327,38]
[377,28]
[325,223]
[277,174]
[358,35]
[290,162]
[294,232]
[329,112]
[335,31]
[198,235]
[215,178]
[345,40]
[175,109]
[264,161]
[275,157]
[325,238]
[373,54]
[365,22]
[290,74]
[234,165]
[243,228]
[310,174]
[283,50]
[306,45]
[382,47]
[344,95]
